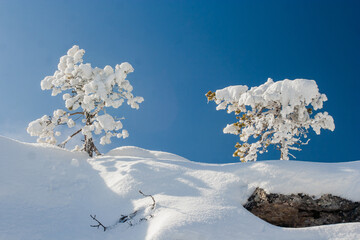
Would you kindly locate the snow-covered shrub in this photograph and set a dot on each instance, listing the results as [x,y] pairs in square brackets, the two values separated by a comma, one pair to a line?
[274,113]
[87,92]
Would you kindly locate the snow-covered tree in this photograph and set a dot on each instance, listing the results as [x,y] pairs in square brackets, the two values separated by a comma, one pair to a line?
[87,92]
[275,113]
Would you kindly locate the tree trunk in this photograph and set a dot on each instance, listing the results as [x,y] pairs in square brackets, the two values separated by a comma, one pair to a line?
[284,151]
[89,145]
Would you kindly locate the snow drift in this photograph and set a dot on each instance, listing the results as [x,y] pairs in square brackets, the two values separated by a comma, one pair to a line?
[49,193]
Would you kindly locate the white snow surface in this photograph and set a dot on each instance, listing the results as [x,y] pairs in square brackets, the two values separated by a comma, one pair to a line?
[48,193]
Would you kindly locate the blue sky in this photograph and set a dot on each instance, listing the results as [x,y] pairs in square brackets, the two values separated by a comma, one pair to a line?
[180,50]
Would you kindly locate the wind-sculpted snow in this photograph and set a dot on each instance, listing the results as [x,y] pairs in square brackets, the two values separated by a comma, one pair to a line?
[48,193]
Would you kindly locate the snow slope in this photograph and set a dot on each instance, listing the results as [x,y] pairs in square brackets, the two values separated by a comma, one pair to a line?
[49,193]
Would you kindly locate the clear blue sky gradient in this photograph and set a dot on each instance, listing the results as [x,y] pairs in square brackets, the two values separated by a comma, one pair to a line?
[180,50]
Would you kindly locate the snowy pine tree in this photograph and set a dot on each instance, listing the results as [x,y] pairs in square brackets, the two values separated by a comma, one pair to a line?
[87,92]
[275,113]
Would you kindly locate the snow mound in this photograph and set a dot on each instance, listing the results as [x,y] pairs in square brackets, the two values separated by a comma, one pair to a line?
[131,151]
[49,193]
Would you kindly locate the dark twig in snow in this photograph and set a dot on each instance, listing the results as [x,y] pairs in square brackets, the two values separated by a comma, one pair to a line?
[153,205]
[129,219]
[99,223]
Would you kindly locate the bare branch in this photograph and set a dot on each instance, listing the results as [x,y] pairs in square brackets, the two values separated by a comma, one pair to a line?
[62,145]
[72,114]
[153,205]
[99,223]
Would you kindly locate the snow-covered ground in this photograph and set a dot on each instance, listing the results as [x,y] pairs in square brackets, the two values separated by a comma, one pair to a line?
[49,193]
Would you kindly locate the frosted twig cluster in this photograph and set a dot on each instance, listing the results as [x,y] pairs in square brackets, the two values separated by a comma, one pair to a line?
[275,113]
[87,92]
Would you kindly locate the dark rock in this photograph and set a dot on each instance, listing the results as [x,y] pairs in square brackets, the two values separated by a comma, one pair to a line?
[301,210]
